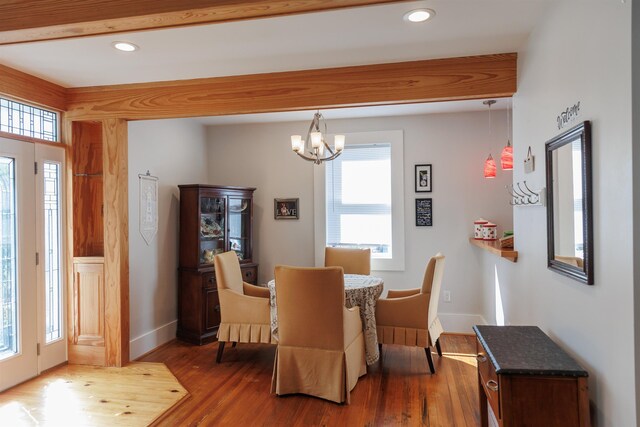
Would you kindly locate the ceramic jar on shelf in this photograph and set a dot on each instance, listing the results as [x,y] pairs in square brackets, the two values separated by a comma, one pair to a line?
[477,228]
[489,231]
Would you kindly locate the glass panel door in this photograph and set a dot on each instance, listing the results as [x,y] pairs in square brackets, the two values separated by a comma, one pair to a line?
[51,301]
[239,223]
[18,326]
[212,228]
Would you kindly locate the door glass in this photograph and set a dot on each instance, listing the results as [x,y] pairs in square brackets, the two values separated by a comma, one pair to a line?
[8,284]
[239,220]
[53,291]
[212,228]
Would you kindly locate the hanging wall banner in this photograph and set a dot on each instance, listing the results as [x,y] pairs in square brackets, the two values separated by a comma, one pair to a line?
[148,207]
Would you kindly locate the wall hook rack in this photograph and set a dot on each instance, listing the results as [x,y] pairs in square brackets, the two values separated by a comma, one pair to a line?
[525,196]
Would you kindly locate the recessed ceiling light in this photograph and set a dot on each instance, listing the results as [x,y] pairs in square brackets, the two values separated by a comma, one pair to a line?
[125,46]
[419,15]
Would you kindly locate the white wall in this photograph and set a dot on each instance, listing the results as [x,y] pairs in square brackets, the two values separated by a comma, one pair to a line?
[578,53]
[175,152]
[635,46]
[455,144]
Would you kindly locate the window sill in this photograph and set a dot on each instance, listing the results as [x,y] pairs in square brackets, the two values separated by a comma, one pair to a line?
[494,248]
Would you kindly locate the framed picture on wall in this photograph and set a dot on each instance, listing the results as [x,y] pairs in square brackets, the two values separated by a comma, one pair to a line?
[423,179]
[424,212]
[285,208]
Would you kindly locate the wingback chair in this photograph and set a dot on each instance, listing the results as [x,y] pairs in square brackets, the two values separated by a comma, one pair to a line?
[410,317]
[320,342]
[244,308]
[352,261]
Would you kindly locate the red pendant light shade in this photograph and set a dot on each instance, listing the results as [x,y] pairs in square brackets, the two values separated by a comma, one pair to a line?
[489,167]
[506,159]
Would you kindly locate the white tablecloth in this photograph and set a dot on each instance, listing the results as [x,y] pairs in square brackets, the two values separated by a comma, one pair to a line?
[361,291]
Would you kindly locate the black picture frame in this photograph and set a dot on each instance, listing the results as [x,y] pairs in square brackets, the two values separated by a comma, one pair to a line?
[424,178]
[424,212]
[285,209]
[581,269]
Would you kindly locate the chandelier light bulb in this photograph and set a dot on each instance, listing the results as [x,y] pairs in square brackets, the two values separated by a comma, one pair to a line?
[316,139]
[339,142]
[296,143]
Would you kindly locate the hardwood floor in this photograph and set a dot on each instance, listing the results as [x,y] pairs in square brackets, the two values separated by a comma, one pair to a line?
[78,395]
[396,391]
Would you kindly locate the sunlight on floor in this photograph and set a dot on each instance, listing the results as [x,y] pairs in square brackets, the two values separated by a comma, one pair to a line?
[469,359]
[62,406]
[78,395]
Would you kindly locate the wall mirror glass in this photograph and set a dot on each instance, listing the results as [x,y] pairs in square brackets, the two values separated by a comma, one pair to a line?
[569,213]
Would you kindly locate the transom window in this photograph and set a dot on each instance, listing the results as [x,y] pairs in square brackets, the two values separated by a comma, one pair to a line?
[26,120]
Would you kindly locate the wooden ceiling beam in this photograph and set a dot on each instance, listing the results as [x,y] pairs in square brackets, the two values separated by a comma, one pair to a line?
[474,77]
[28,21]
[28,88]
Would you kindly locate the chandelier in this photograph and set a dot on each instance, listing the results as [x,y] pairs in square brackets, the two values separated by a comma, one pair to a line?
[315,138]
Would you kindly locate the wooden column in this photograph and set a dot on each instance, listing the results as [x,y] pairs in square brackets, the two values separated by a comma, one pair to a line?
[116,241]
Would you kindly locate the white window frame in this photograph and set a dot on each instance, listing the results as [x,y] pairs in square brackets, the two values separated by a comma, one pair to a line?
[396,139]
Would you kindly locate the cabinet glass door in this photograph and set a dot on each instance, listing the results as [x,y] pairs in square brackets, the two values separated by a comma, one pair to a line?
[239,223]
[212,228]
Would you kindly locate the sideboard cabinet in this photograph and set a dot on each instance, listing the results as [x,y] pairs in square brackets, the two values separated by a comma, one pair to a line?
[525,379]
[213,219]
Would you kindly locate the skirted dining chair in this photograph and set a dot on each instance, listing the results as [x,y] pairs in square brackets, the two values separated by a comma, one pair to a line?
[320,342]
[410,317]
[244,308]
[352,261]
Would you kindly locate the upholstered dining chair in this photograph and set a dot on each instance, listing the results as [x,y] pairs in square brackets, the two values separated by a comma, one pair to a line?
[410,317]
[244,308]
[320,342]
[352,261]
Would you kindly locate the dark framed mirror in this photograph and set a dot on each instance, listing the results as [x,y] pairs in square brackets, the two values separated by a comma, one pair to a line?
[569,206]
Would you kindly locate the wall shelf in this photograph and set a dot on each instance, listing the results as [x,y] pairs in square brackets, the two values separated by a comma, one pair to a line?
[495,249]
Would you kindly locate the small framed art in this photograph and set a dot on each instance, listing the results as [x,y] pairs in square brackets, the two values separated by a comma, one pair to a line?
[424,212]
[285,208]
[424,180]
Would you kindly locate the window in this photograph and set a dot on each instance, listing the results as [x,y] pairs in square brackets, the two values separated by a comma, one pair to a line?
[8,260]
[360,199]
[52,253]
[26,120]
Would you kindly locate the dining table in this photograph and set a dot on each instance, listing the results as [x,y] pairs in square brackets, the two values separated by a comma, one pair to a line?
[360,291]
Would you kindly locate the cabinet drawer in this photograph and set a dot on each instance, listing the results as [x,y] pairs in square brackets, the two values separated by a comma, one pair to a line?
[209,280]
[489,379]
[250,274]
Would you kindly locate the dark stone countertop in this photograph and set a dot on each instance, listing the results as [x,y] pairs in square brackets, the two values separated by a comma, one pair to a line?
[525,350]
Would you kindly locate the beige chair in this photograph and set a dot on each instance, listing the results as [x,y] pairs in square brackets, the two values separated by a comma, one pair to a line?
[352,261]
[320,341]
[244,308]
[410,317]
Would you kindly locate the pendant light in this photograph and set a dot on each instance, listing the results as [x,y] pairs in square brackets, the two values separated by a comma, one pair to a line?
[489,164]
[316,142]
[506,158]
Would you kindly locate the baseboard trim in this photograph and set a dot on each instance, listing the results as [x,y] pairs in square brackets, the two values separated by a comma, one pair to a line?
[151,340]
[460,323]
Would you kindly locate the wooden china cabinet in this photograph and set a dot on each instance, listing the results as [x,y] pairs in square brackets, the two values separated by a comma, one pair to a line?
[213,219]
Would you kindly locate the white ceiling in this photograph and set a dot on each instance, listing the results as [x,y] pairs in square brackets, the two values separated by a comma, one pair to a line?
[352,113]
[357,36]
